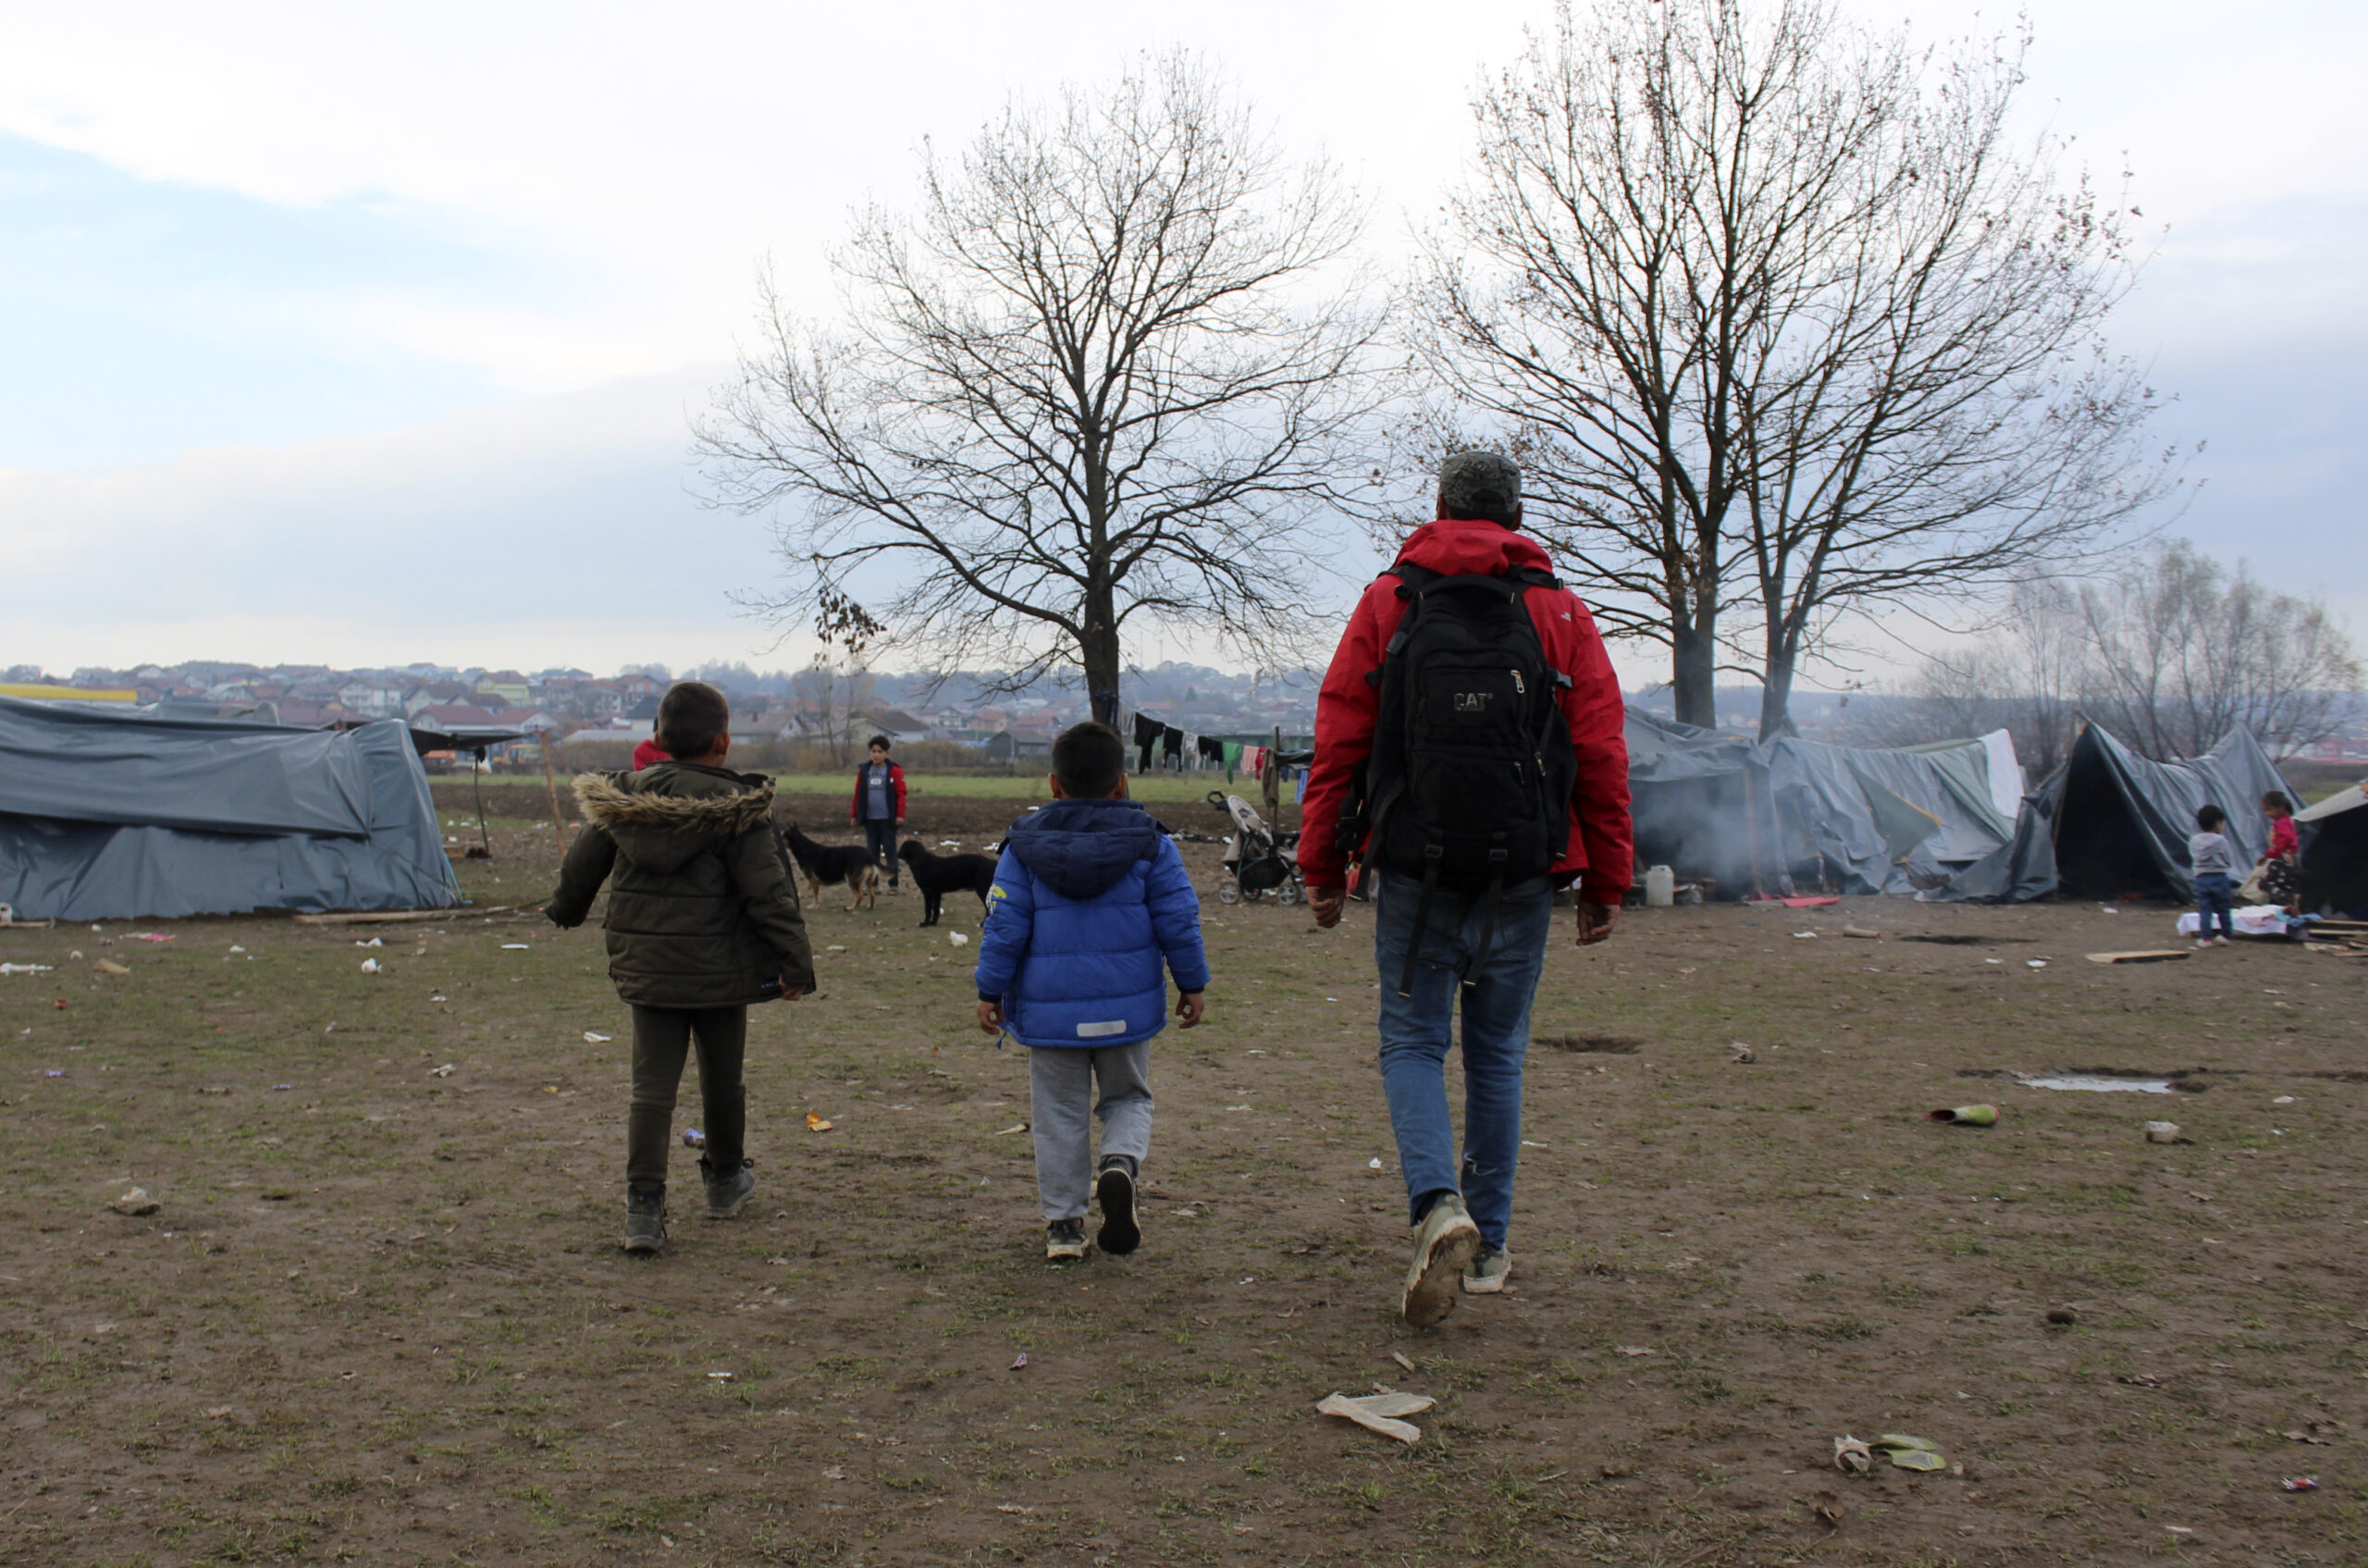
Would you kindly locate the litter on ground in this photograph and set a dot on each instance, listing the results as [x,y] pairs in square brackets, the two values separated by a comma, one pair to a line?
[1379,1413]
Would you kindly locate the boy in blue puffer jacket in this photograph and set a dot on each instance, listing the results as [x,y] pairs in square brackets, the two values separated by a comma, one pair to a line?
[1089,899]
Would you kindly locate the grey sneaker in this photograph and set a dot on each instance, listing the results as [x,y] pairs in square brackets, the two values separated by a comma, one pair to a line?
[1064,1238]
[1487,1273]
[726,1193]
[1443,1244]
[1114,1189]
[646,1217]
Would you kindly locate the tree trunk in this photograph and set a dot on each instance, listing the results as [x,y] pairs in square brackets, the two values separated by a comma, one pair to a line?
[1098,651]
[1776,692]
[1693,671]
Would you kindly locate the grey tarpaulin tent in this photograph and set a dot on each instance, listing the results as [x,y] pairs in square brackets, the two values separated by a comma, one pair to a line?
[2109,822]
[1742,813]
[113,815]
[2335,853]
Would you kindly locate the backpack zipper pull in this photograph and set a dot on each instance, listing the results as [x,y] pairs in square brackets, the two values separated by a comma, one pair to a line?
[1519,690]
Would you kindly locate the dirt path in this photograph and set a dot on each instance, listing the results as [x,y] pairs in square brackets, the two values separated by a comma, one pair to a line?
[378,1316]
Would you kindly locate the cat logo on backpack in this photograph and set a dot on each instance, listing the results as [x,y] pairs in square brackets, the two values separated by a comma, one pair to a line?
[1472,701]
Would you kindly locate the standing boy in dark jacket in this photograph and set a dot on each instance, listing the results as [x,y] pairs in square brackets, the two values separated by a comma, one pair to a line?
[878,805]
[702,921]
[1089,899]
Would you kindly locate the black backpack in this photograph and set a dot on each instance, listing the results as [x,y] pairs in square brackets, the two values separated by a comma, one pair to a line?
[1469,782]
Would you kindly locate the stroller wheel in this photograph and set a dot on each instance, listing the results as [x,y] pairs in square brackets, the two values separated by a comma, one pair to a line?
[1287,894]
[1228,892]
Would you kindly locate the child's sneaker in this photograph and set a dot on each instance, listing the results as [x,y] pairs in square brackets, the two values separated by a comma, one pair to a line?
[726,1193]
[2201,943]
[2223,942]
[1064,1239]
[1487,1273]
[1443,1244]
[1114,1189]
[646,1217]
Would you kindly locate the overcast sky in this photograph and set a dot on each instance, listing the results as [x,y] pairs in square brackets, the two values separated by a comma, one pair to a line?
[357,335]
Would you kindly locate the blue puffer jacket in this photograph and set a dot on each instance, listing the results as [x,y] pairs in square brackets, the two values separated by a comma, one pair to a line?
[1088,900]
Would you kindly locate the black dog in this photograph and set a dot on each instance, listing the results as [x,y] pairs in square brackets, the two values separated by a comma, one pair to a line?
[937,875]
[824,864]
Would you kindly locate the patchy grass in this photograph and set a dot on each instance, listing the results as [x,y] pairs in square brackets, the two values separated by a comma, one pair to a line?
[380,1318]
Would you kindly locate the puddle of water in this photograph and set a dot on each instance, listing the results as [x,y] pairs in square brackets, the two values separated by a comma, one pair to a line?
[2099,1085]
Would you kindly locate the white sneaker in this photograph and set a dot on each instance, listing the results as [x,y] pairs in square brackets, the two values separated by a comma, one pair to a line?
[1443,1244]
[1487,1273]
[2201,943]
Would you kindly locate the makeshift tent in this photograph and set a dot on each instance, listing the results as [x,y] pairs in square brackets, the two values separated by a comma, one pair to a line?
[114,815]
[1747,815]
[2109,822]
[2335,853]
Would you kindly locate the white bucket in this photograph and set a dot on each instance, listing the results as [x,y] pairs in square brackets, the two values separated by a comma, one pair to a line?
[1660,887]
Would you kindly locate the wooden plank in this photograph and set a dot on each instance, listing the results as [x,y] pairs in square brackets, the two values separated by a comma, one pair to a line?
[387,917]
[2142,955]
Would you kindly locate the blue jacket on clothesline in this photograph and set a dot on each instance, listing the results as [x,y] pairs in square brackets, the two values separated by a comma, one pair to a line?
[1089,900]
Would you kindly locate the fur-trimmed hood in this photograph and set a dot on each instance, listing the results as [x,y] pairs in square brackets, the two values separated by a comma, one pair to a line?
[663,815]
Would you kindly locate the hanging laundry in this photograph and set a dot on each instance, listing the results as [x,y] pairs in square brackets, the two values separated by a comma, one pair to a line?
[1231,758]
[1147,734]
[1171,746]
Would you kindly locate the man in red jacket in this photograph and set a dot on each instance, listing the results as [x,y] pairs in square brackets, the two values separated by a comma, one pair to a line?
[1461,1209]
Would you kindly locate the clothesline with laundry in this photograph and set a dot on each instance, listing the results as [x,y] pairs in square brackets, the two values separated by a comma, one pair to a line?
[1157,744]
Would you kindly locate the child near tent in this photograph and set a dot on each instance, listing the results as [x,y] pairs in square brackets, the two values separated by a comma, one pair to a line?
[1091,897]
[2207,853]
[2280,879]
[702,921]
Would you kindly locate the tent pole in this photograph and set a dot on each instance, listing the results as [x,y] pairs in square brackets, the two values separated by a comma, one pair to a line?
[476,785]
[550,782]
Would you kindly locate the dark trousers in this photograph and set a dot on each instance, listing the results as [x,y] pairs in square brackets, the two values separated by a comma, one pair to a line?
[879,837]
[662,1040]
[2214,891]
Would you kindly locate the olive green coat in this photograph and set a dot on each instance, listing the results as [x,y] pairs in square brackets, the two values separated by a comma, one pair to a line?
[702,908]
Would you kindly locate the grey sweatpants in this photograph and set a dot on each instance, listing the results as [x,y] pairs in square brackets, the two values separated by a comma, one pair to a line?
[1061,1083]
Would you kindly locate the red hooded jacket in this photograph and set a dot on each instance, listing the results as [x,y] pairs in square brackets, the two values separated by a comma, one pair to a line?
[1600,850]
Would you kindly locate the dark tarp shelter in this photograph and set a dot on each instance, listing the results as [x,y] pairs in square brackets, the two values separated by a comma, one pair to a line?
[2335,853]
[115,815]
[2109,822]
[1746,814]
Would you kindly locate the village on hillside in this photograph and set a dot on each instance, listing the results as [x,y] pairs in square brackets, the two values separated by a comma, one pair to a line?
[808,707]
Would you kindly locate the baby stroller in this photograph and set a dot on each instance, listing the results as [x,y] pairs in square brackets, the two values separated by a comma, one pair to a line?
[1254,859]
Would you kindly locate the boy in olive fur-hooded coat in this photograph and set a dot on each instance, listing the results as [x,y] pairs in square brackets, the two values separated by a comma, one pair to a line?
[702,921]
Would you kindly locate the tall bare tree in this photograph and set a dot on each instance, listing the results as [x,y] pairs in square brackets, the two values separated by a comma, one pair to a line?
[2182,650]
[1784,326]
[1095,380]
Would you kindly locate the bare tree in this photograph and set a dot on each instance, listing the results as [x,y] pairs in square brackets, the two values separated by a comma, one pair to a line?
[2182,650]
[1095,380]
[1784,327]
[834,694]
[2027,676]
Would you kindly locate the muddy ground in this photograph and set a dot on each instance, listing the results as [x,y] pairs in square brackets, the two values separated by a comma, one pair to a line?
[379,1316]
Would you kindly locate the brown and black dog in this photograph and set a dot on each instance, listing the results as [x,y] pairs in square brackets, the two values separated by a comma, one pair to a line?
[824,865]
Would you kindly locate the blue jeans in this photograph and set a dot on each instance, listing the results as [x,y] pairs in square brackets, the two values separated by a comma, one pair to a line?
[2213,895]
[1416,1030]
